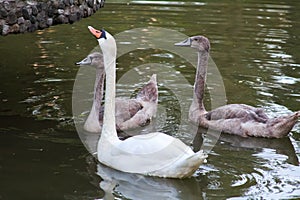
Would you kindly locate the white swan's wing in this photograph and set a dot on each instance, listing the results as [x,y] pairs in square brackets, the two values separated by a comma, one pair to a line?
[144,153]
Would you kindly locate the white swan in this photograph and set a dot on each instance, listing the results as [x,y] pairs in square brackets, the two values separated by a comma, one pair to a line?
[153,154]
[237,119]
[130,113]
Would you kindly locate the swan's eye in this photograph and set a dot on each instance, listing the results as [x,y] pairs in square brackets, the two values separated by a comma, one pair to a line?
[196,39]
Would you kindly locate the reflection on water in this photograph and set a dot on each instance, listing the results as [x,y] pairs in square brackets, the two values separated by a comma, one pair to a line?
[274,178]
[255,45]
[258,164]
[132,186]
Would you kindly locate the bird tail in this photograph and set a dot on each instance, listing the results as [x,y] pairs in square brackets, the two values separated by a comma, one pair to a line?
[283,125]
[194,161]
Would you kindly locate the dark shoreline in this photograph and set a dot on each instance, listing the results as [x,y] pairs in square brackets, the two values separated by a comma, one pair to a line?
[18,16]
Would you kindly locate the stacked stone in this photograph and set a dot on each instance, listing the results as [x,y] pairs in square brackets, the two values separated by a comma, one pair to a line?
[18,16]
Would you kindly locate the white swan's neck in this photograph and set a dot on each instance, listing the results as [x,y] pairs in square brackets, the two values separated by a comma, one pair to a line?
[109,49]
[200,80]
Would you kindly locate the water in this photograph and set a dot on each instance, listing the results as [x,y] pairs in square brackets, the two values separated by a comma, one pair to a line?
[255,45]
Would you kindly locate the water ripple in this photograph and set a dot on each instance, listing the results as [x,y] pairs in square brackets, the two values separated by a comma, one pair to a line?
[274,178]
[242,180]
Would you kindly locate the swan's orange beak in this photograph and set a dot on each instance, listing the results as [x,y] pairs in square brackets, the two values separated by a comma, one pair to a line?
[95,32]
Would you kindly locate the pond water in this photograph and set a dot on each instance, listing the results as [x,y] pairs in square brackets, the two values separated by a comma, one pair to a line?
[255,47]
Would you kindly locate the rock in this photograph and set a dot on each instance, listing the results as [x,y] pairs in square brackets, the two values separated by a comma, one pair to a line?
[7,5]
[19,16]
[61,19]
[41,6]
[49,21]
[73,18]
[90,3]
[27,23]
[26,11]
[22,28]
[60,11]
[3,12]
[11,18]
[20,4]
[14,28]
[66,2]
[96,7]
[42,19]
[43,24]
[2,22]
[35,11]
[61,4]
[81,10]
[101,2]
[67,11]
[1,28]
[41,16]
[19,12]
[33,27]
[90,11]
[31,2]
[73,9]
[32,19]
[50,11]
[4,29]
[53,4]
[21,20]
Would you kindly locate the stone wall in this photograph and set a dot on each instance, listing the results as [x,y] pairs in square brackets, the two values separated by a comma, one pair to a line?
[18,16]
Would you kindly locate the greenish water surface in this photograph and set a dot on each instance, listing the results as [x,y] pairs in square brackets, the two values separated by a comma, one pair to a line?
[255,46]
